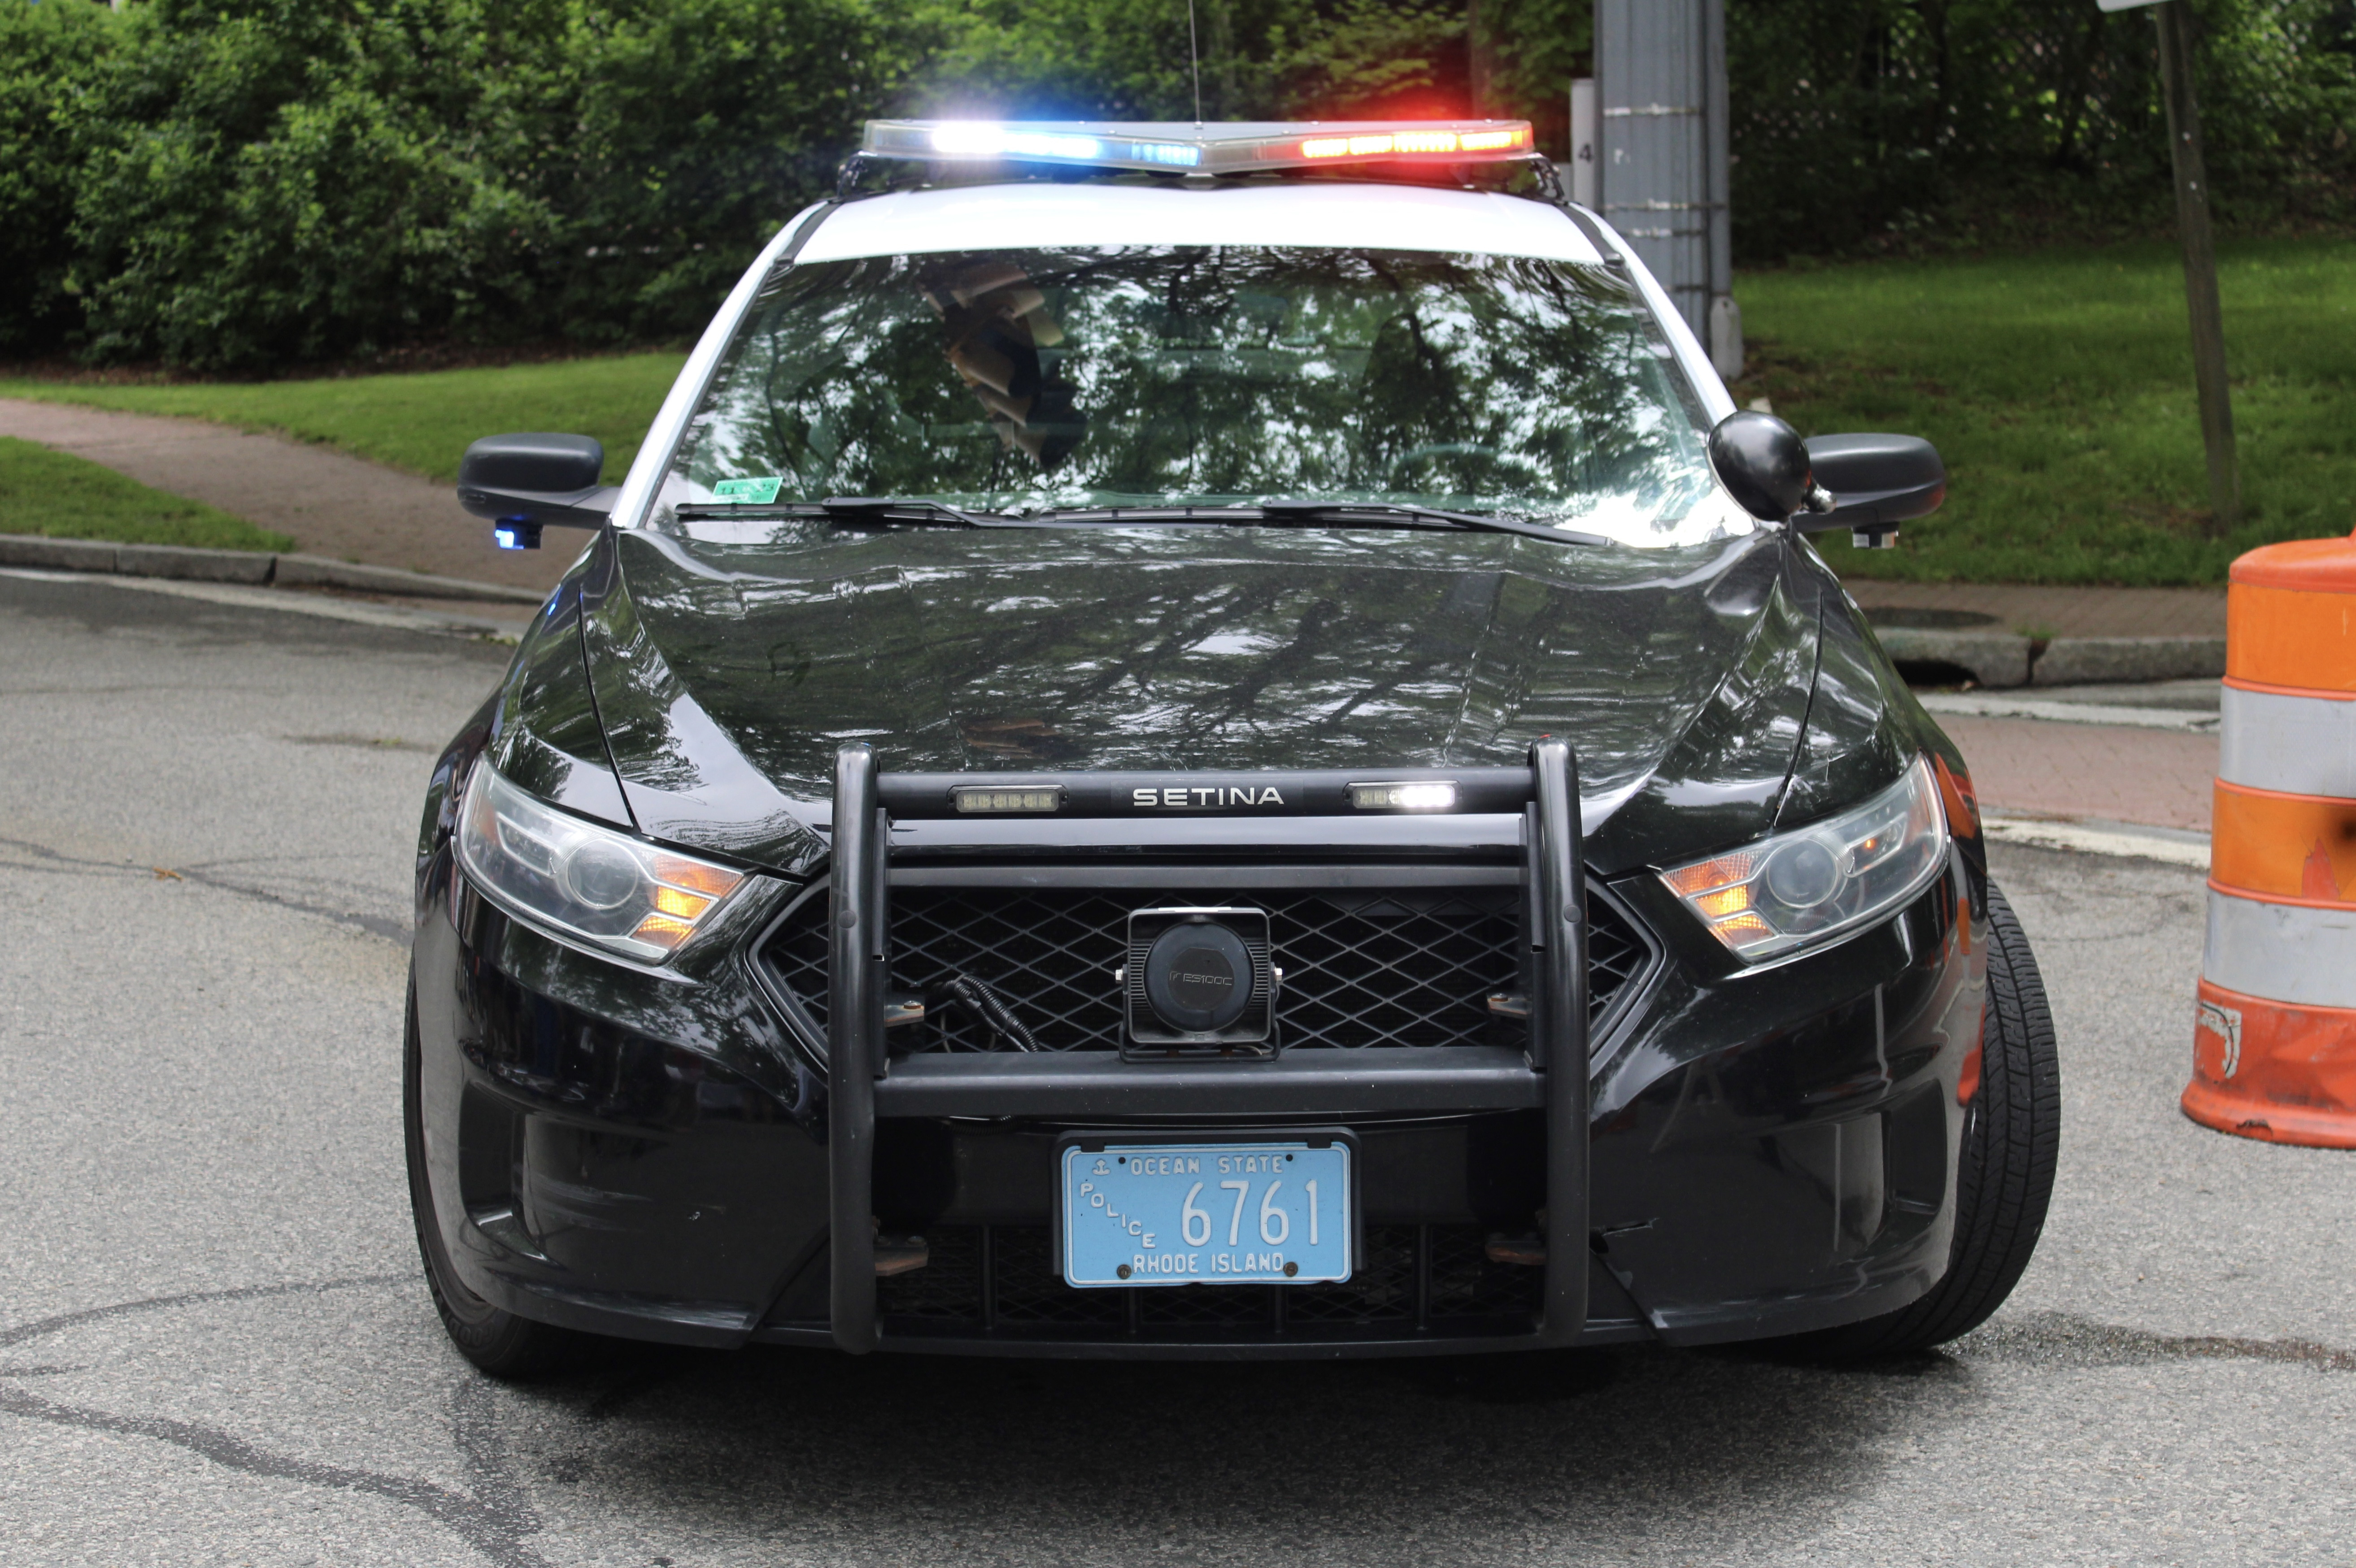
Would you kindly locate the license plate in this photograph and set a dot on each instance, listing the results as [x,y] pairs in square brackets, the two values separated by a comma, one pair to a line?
[1206,1213]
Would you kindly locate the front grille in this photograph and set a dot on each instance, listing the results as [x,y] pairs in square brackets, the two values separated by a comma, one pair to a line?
[1405,966]
[1001,1278]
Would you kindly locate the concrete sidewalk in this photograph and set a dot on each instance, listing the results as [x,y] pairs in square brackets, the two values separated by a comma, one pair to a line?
[2042,611]
[333,504]
[2080,772]
[2128,754]
[2002,635]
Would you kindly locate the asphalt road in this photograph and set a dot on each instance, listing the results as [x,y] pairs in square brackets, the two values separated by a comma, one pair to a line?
[215,1346]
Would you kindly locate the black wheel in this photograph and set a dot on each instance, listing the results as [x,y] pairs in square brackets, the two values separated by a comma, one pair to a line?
[496,1340]
[2006,1176]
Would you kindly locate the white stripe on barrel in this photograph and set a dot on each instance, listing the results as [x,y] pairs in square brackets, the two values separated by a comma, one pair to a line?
[2296,953]
[2298,746]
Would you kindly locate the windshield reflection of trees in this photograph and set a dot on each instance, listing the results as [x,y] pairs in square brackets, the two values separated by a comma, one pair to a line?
[1028,377]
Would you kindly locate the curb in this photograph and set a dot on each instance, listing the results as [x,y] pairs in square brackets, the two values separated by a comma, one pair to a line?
[252,567]
[1988,705]
[325,607]
[1994,658]
[319,571]
[2096,661]
[2003,659]
[2169,845]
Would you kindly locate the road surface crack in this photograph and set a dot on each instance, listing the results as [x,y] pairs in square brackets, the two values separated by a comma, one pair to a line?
[2064,1337]
[496,1526]
[57,862]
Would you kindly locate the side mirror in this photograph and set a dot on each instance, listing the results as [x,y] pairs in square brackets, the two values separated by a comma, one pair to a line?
[1763,464]
[524,482]
[1878,482]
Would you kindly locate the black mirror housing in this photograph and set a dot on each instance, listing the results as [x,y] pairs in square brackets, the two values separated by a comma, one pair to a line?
[1763,464]
[1878,482]
[526,480]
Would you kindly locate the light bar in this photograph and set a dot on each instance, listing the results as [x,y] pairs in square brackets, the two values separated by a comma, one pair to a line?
[1233,147]
[1030,798]
[1403,797]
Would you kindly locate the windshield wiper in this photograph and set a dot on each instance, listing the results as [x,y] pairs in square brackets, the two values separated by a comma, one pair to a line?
[1369,513]
[1422,516]
[910,508]
[1373,514]
[885,508]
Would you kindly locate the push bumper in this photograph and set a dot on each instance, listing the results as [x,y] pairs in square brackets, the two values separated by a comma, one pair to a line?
[1746,1156]
[1552,1079]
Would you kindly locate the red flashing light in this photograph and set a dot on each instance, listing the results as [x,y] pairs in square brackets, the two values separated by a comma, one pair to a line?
[1411,144]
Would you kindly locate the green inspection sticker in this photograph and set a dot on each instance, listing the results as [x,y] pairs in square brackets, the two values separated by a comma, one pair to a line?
[758,492]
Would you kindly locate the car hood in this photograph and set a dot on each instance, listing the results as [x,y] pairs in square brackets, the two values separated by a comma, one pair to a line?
[730,663]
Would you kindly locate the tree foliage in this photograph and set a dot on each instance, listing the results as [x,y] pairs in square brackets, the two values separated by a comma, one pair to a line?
[255,183]
[49,55]
[267,180]
[1857,121]
[236,185]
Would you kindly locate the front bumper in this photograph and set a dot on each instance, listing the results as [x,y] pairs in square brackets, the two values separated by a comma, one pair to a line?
[661,1155]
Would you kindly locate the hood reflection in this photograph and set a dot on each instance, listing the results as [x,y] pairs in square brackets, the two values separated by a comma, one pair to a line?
[730,665]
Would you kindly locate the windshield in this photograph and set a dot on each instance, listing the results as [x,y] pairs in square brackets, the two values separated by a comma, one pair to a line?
[1023,381]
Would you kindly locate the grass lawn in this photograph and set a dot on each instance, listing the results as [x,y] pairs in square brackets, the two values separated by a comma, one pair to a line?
[45,492]
[421,422]
[2057,386]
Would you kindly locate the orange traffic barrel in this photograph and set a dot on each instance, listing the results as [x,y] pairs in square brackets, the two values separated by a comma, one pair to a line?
[2274,1040]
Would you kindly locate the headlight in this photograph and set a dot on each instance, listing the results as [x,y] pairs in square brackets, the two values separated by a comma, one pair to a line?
[1798,889]
[591,882]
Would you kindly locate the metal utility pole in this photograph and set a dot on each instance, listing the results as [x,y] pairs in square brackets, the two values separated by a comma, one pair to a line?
[2174,22]
[1661,166]
[1586,145]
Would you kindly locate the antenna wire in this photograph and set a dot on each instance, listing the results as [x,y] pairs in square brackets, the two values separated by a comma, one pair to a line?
[1194,51]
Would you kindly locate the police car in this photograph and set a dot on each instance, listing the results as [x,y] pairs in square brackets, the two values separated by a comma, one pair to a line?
[1211,741]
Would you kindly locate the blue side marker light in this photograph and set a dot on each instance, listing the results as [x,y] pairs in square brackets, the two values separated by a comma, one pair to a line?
[1162,153]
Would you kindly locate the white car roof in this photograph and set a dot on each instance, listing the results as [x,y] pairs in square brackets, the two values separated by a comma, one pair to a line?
[1079,216]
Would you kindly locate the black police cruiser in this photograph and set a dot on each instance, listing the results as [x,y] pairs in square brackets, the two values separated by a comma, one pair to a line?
[1211,741]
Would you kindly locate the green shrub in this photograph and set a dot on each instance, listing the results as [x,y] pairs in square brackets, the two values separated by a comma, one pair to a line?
[1260,58]
[1860,124]
[238,186]
[693,130]
[49,55]
[266,182]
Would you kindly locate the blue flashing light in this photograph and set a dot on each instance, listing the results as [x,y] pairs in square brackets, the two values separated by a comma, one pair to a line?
[1079,149]
[982,139]
[515,533]
[1163,152]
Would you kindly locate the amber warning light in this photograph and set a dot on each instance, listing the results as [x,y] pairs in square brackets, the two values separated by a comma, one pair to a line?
[1178,148]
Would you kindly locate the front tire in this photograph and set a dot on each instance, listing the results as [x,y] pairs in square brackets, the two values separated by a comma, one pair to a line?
[496,1340]
[2004,1178]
